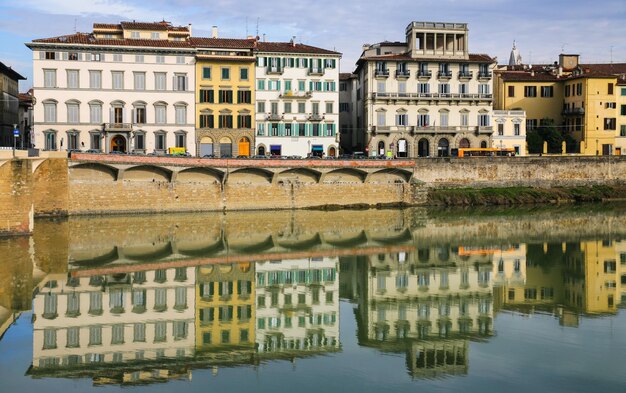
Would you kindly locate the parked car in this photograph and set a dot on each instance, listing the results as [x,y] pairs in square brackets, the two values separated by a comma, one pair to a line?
[208,156]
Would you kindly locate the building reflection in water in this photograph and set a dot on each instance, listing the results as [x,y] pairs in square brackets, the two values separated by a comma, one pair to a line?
[154,301]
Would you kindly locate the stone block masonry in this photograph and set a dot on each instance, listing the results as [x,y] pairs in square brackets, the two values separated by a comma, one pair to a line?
[16,197]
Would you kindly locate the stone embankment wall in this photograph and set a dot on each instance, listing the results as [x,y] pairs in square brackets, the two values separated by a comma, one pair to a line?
[108,184]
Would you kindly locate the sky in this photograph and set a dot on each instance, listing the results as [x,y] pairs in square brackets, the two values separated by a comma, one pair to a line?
[541,29]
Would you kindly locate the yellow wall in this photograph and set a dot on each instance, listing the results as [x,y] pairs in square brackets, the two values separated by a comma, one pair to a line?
[598,281]
[620,137]
[235,83]
[536,107]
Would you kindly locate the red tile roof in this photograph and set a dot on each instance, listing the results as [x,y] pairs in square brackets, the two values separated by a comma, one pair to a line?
[90,39]
[288,47]
[546,73]
[473,58]
[163,26]
[226,43]
[106,26]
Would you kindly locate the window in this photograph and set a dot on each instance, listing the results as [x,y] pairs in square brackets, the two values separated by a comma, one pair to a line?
[531,124]
[483,88]
[530,91]
[160,114]
[511,91]
[50,112]
[180,82]
[155,35]
[160,141]
[381,87]
[260,106]
[140,80]
[95,79]
[243,74]
[95,138]
[181,114]
[610,89]
[329,107]
[609,123]
[117,57]
[49,78]
[206,72]
[96,57]
[160,59]
[244,96]
[139,332]
[380,117]
[622,130]
[117,79]
[206,96]
[50,55]
[516,129]
[180,294]
[464,119]
[160,81]
[443,119]
[225,121]
[463,88]
[500,129]
[343,86]
[423,120]
[95,335]
[207,121]
[287,107]
[302,84]
[444,88]
[225,73]
[424,88]
[301,107]
[117,334]
[160,331]
[140,115]
[134,34]
[72,79]
[139,59]
[547,91]
[402,119]
[140,141]
[180,59]
[622,110]
[244,121]
[344,107]
[72,113]
[226,96]
[483,120]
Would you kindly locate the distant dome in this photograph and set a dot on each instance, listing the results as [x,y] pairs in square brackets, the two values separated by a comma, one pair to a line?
[515,58]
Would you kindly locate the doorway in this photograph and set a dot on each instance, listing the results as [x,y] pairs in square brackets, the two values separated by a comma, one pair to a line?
[118,143]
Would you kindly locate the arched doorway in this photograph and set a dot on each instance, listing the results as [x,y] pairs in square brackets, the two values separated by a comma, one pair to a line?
[118,143]
[483,144]
[261,151]
[403,148]
[332,152]
[381,148]
[423,149]
[464,143]
[226,147]
[244,146]
[443,148]
[206,147]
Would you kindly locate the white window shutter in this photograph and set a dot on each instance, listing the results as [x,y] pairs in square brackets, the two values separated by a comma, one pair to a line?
[133,116]
[111,115]
[124,117]
[186,83]
[174,87]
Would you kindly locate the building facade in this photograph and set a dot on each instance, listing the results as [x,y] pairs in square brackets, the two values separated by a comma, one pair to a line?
[225,81]
[426,96]
[510,131]
[124,87]
[350,139]
[297,100]
[9,102]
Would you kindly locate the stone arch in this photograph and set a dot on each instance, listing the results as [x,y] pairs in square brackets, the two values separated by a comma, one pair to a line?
[483,144]
[261,150]
[225,146]
[389,175]
[93,172]
[345,175]
[332,151]
[255,176]
[147,173]
[443,147]
[423,147]
[199,175]
[381,148]
[464,143]
[299,175]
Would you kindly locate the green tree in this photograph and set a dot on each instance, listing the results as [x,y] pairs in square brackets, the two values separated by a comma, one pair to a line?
[547,132]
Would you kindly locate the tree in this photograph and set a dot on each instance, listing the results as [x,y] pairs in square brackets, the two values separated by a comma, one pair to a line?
[547,132]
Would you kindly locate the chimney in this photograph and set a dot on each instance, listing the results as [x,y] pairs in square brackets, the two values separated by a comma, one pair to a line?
[293,41]
[189,28]
[214,32]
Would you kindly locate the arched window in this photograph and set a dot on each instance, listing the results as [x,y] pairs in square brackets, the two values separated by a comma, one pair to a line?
[464,143]
[206,147]
[381,148]
[226,147]
[443,148]
[403,148]
[423,148]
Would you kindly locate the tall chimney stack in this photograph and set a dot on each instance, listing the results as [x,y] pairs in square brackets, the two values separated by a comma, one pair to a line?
[214,32]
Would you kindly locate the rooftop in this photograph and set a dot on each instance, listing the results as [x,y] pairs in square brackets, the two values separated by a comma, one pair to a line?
[10,72]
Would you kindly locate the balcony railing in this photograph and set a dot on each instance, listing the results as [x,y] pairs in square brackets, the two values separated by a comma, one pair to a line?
[484,75]
[316,71]
[403,73]
[425,74]
[573,111]
[296,95]
[434,96]
[444,74]
[432,129]
[315,117]
[274,70]
[118,126]
[466,74]
[509,113]
[274,117]
[382,73]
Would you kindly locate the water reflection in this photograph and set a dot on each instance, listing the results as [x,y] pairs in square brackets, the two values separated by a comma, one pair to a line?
[136,300]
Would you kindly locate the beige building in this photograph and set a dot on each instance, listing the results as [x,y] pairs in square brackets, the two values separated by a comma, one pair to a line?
[427,96]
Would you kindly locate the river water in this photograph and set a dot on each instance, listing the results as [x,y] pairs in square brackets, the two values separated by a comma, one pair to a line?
[524,299]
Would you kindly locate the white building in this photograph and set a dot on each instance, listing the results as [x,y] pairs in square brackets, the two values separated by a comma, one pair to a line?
[125,87]
[114,319]
[426,96]
[510,130]
[297,100]
[297,305]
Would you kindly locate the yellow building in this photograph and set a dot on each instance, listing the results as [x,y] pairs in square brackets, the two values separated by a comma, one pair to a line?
[581,99]
[225,311]
[620,134]
[589,108]
[225,82]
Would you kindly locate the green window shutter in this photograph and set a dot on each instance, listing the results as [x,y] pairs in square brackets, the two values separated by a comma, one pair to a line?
[334,63]
[278,85]
[311,86]
[332,129]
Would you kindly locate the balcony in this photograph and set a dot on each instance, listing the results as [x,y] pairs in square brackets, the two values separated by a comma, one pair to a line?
[296,95]
[424,74]
[315,117]
[432,129]
[274,71]
[432,96]
[402,74]
[466,75]
[274,117]
[444,74]
[484,75]
[315,71]
[381,73]
[118,127]
[573,111]
[391,129]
